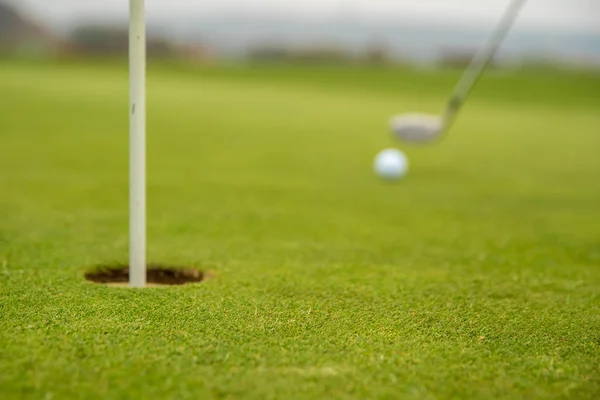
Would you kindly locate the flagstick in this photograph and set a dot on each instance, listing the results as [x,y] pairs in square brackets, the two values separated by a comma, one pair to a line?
[137,144]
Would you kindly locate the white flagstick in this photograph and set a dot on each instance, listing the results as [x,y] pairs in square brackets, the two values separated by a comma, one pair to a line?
[137,143]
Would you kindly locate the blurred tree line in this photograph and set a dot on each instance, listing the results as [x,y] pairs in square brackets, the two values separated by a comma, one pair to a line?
[374,54]
[21,37]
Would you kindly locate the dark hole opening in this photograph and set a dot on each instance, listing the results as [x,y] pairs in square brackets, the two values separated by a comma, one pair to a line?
[155,274]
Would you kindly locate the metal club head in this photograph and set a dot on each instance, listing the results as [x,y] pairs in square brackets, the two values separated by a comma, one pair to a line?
[417,128]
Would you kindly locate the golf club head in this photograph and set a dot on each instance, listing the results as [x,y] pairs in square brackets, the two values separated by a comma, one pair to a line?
[416,128]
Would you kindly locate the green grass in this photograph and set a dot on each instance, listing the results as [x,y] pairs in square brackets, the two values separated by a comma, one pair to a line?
[477,277]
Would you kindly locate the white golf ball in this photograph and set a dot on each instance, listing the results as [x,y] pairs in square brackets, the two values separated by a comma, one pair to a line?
[391,164]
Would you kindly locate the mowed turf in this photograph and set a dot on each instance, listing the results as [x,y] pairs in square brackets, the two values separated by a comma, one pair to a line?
[476,277]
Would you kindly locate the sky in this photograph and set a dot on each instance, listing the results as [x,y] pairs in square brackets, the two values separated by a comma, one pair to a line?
[564,15]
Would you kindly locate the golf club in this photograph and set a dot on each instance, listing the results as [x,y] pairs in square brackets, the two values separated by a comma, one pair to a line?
[421,128]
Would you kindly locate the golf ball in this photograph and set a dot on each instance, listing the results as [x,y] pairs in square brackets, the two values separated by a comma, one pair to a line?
[390,164]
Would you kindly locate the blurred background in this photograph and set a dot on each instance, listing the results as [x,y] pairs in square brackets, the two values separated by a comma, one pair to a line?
[424,33]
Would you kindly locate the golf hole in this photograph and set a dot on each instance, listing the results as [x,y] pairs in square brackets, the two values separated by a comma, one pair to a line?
[156,275]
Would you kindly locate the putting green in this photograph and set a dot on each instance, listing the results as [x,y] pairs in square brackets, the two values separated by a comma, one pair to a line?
[475,277]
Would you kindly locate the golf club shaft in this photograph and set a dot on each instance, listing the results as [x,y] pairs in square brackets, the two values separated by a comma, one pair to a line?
[480,61]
